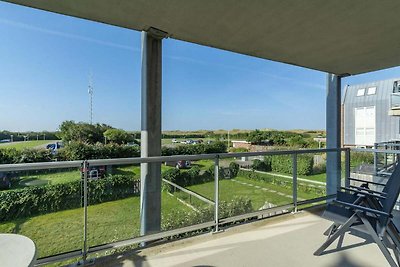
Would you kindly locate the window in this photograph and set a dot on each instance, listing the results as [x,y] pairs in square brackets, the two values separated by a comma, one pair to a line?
[371,90]
[361,92]
[364,126]
[396,87]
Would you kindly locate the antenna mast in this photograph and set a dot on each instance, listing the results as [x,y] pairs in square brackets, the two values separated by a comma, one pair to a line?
[90,92]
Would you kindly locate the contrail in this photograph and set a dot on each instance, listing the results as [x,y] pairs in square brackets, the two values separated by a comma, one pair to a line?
[66,35]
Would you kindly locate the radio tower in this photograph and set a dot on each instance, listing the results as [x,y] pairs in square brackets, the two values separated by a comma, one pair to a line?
[90,92]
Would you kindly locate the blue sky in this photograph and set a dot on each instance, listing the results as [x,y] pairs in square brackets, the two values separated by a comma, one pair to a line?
[45,61]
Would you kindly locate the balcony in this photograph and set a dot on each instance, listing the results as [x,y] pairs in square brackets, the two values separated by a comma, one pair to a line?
[101,216]
[287,240]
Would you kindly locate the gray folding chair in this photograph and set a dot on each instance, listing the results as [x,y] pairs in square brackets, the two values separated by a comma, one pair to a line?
[363,210]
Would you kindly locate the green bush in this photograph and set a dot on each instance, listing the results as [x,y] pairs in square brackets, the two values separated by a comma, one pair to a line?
[358,158]
[283,164]
[238,149]
[260,165]
[12,155]
[82,151]
[234,168]
[320,168]
[178,218]
[51,198]
[216,147]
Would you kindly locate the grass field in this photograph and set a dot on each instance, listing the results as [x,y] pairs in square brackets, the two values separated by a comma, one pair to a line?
[250,188]
[63,231]
[26,144]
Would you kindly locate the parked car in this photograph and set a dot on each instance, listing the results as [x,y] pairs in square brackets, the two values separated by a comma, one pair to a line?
[180,164]
[5,180]
[174,141]
[97,172]
[54,147]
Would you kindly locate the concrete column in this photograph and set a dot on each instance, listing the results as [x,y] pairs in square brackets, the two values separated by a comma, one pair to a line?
[333,133]
[150,196]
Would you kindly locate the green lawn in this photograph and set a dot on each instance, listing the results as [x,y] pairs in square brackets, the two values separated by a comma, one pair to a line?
[52,177]
[26,144]
[229,189]
[62,231]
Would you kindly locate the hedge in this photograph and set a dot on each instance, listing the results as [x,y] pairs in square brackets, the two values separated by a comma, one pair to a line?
[82,151]
[194,176]
[283,164]
[51,198]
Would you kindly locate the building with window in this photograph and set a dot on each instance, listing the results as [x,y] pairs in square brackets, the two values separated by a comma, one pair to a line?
[371,113]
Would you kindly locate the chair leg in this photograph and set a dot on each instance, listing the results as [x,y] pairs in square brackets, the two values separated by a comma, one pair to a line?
[328,232]
[341,230]
[378,241]
[340,242]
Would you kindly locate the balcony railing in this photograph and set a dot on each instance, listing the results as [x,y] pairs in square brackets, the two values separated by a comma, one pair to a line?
[271,193]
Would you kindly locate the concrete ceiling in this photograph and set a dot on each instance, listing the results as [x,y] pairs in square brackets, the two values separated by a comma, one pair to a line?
[340,37]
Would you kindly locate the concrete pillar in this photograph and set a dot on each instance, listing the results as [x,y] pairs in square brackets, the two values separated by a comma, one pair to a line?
[333,133]
[150,197]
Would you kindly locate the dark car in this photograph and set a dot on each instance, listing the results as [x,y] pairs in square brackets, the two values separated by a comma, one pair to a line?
[5,180]
[180,164]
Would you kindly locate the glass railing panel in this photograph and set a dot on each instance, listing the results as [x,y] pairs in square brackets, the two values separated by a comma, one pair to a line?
[44,205]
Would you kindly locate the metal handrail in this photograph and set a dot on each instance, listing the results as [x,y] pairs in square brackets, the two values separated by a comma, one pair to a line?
[190,192]
[138,160]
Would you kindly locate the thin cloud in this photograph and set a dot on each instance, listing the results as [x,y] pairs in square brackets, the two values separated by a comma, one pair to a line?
[195,61]
[66,35]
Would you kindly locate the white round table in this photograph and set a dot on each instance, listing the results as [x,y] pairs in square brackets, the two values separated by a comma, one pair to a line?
[16,251]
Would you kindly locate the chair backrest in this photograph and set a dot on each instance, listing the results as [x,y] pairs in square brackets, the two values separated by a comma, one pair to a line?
[392,190]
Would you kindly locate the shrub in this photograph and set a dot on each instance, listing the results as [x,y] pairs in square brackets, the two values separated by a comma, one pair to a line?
[10,156]
[238,149]
[234,168]
[50,198]
[283,164]
[320,168]
[82,151]
[177,218]
[358,158]
[260,165]
[216,147]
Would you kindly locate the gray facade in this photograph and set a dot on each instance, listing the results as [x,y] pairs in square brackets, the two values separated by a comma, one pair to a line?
[363,111]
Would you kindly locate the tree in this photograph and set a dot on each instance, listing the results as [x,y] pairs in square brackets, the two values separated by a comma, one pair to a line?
[82,132]
[118,136]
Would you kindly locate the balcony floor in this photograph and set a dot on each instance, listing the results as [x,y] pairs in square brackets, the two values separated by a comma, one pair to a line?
[287,240]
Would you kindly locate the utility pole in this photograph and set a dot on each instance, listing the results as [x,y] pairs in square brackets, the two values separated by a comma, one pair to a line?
[228,140]
[90,92]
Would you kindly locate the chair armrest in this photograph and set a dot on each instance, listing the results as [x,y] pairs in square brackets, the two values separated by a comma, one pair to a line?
[363,209]
[368,190]
[363,193]
[367,182]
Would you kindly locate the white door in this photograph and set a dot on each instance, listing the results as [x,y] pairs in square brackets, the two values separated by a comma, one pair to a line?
[364,126]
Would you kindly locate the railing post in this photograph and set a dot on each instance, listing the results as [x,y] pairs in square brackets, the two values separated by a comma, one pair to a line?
[385,158]
[294,172]
[85,205]
[347,167]
[216,193]
[375,159]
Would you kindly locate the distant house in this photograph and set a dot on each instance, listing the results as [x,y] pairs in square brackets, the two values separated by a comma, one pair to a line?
[371,113]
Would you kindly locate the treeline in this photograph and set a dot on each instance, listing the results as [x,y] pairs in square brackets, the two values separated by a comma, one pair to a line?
[22,136]
[282,138]
[82,151]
